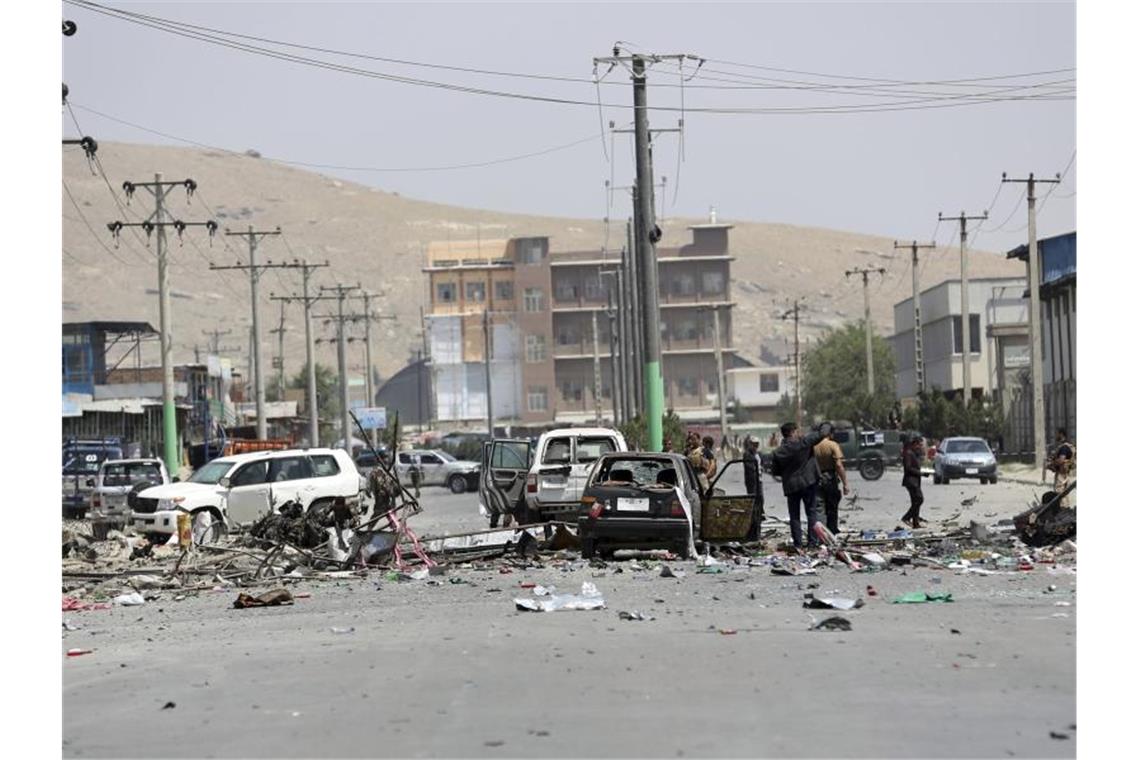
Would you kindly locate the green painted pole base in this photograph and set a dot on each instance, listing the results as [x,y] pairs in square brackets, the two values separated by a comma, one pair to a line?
[654,405]
[172,454]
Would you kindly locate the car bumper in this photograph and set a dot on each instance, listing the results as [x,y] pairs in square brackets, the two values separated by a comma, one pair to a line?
[568,510]
[162,521]
[960,470]
[635,532]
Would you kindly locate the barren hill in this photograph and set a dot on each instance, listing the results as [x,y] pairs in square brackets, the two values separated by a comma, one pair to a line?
[378,239]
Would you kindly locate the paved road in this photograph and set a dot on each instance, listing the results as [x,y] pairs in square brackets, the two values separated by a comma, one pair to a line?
[455,670]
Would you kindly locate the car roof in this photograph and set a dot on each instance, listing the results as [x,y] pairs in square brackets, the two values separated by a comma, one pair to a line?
[642,455]
[253,456]
[964,438]
[140,460]
[583,431]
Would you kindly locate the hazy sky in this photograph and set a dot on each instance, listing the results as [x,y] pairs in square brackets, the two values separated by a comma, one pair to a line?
[887,172]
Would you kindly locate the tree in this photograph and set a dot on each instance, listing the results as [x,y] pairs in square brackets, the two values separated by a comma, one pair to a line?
[637,436]
[936,416]
[834,374]
[328,406]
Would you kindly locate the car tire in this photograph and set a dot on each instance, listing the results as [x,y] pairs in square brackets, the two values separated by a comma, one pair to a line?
[457,483]
[681,549]
[589,548]
[871,469]
[207,527]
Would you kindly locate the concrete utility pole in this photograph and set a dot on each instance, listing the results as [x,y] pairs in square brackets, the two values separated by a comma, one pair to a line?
[158,222]
[636,333]
[341,292]
[310,360]
[794,313]
[868,328]
[369,317]
[919,361]
[487,369]
[253,238]
[648,233]
[215,348]
[616,318]
[279,360]
[1035,338]
[597,369]
[719,372]
[967,359]
[425,355]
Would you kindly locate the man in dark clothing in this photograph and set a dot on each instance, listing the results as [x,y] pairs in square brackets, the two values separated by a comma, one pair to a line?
[753,483]
[794,463]
[912,481]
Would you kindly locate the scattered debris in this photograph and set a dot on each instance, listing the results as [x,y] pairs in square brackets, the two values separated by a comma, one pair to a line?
[78,652]
[273,598]
[335,629]
[635,615]
[589,599]
[1048,523]
[836,603]
[835,623]
[921,597]
[168,706]
[129,600]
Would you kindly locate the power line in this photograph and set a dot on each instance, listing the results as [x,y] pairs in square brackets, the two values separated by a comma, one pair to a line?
[91,229]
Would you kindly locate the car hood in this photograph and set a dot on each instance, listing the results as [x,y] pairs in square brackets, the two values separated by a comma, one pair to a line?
[171,490]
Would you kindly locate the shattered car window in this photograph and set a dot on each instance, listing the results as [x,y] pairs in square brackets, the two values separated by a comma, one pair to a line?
[644,471]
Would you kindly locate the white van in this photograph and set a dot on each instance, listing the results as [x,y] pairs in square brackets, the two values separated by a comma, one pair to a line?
[239,489]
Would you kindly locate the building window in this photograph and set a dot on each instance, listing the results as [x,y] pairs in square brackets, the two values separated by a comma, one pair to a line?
[684,285]
[711,386]
[531,251]
[532,299]
[593,289]
[445,292]
[686,329]
[975,334]
[712,283]
[535,348]
[571,390]
[566,291]
[687,386]
[476,291]
[769,382]
[504,290]
[536,398]
[568,336]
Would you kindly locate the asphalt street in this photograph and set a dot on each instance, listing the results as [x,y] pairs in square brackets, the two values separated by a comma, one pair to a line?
[727,666]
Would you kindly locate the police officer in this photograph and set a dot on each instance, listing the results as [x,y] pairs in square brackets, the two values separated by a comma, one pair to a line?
[1062,463]
[829,457]
[754,485]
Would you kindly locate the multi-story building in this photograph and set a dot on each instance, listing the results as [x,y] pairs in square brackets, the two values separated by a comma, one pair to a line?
[538,310]
[999,343]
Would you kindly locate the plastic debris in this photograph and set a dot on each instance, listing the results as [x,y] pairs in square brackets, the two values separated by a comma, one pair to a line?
[834,623]
[635,615]
[921,597]
[349,629]
[589,599]
[727,631]
[133,599]
[833,603]
[78,652]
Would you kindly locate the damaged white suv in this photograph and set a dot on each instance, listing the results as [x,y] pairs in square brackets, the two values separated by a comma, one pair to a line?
[236,490]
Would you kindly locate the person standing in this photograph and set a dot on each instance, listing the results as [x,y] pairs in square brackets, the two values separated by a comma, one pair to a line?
[415,473]
[829,457]
[754,485]
[794,463]
[695,454]
[912,481]
[709,456]
[1062,463]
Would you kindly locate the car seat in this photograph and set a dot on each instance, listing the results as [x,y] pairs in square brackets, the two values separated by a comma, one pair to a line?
[667,477]
[621,476]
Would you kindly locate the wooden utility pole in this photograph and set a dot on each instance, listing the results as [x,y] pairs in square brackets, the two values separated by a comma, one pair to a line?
[794,313]
[279,360]
[340,293]
[919,361]
[310,358]
[1036,360]
[967,358]
[868,328]
[487,345]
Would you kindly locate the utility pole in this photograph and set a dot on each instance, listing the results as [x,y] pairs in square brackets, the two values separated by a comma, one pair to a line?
[633,319]
[341,292]
[279,361]
[253,238]
[487,369]
[719,372]
[158,222]
[919,361]
[215,348]
[616,319]
[1035,357]
[597,370]
[967,360]
[425,356]
[369,317]
[310,360]
[867,326]
[794,313]
[648,235]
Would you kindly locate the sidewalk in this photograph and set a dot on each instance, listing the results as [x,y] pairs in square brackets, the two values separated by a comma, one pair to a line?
[1025,474]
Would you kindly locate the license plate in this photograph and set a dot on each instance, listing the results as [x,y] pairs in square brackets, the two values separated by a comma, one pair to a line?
[632,505]
[971,470]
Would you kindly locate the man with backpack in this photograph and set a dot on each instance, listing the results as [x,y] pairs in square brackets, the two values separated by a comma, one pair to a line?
[795,464]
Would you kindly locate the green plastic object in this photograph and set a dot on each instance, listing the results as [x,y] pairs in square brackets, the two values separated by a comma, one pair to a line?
[922,597]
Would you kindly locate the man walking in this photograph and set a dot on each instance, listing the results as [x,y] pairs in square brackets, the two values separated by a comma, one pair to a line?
[912,481]
[794,463]
[829,457]
[754,485]
[1062,463]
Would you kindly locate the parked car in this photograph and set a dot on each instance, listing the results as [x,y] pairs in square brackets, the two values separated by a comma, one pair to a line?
[869,452]
[438,468]
[238,489]
[366,460]
[116,486]
[631,500]
[81,460]
[962,457]
[543,480]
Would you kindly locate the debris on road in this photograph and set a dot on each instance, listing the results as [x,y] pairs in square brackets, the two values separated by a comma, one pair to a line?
[589,599]
[921,597]
[78,652]
[273,598]
[635,615]
[835,623]
[835,603]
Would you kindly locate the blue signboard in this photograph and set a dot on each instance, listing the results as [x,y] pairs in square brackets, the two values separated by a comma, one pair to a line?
[372,417]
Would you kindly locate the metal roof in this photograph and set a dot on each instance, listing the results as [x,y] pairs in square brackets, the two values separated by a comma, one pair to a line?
[73,328]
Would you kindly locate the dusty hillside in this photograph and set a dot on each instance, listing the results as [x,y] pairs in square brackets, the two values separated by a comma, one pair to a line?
[377,238]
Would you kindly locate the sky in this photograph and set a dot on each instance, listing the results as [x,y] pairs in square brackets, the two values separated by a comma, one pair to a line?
[887,172]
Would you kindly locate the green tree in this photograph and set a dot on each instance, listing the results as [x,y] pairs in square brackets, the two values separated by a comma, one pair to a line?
[835,377]
[936,416]
[636,436]
[328,406]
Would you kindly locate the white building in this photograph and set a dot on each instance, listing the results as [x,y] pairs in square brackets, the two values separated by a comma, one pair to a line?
[756,391]
[999,326]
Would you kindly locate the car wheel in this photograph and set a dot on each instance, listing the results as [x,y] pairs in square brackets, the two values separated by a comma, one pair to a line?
[993,480]
[457,483]
[207,527]
[871,469]
[681,549]
[588,548]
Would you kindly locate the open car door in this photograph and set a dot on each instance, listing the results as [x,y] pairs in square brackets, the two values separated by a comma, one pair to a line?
[726,510]
[502,478]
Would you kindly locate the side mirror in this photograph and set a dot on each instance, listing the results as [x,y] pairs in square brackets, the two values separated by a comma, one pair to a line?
[224,482]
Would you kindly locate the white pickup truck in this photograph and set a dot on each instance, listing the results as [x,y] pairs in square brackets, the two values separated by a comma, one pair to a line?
[543,481]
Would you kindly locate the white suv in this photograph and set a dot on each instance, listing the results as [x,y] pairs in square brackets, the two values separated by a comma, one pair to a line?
[239,489]
[561,465]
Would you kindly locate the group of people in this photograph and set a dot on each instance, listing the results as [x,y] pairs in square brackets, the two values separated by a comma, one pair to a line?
[811,471]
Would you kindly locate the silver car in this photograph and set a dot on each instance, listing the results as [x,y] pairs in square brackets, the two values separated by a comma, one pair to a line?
[438,468]
[963,457]
[117,479]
